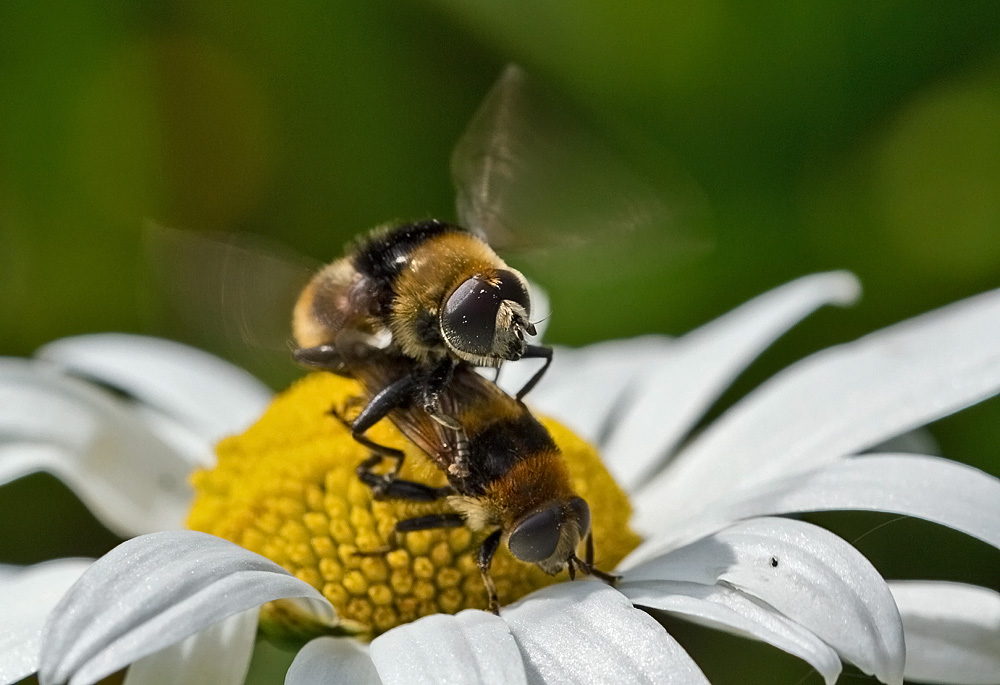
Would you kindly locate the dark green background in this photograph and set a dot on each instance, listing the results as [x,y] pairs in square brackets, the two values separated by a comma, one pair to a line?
[805,136]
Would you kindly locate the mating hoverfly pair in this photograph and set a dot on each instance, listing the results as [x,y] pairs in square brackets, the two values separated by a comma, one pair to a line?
[447,304]
[412,310]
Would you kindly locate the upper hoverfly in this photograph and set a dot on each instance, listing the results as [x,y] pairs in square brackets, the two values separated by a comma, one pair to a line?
[525,176]
[438,290]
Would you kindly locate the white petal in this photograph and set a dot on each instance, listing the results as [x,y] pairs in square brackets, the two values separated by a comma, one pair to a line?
[95,443]
[586,388]
[203,391]
[220,655]
[331,661]
[151,592]
[952,631]
[587,632]
[676,389]
[541,309]
[838,402]
[27,595]
[470,647]
[728,609]
[196,450]
[930,488]
[808,574]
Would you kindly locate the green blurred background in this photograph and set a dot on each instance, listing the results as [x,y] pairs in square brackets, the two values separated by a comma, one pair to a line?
[796,136]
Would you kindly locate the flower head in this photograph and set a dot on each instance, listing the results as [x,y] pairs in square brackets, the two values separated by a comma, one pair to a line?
[710,505]
[287,489]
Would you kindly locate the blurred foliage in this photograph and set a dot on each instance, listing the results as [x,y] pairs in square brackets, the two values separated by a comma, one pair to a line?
[811,136]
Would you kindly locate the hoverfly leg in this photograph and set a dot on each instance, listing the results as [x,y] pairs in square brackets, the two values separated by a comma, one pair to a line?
[323,357]
[571,568]
[459,468]
[428,522]
[587,565]
[388,398]
[433,383]
[535,352]
[485,560]
[388,486]
[385,401]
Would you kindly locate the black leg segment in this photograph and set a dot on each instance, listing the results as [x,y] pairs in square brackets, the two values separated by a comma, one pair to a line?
[485,560]
[535,352]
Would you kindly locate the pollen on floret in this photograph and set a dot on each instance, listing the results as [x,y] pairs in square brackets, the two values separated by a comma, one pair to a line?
[287,489]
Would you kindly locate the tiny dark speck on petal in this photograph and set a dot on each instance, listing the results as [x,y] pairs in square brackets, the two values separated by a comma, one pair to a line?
[774,562]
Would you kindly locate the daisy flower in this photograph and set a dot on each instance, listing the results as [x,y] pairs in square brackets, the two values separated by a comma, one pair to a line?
[709,507]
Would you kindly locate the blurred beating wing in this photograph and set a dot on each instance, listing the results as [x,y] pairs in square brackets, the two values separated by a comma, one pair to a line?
[527,175]
[236,287]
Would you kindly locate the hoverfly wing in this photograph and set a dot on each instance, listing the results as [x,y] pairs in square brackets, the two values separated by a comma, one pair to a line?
[234,291]
[486,159]
[528,175]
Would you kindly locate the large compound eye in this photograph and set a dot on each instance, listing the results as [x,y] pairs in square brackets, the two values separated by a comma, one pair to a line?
[536,537]
[582,512]
[469,317]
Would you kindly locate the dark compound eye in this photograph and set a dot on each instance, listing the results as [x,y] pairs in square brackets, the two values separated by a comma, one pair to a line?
[536,537]
[469,317]
[582,512]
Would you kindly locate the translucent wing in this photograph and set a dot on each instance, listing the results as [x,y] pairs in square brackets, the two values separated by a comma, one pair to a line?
[528,175]
[233,292]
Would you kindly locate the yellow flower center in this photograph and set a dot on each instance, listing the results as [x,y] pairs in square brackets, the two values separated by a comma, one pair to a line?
[287,489]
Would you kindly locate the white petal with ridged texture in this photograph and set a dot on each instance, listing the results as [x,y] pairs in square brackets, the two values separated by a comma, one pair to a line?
[586,632]
[220,655]
[470,647]
[837,402]
[206,393]
[333,660]
[805,572]
[930,488]
[27,595]
[730,610]
[587,388]
[95,443]
[151,592]
[952,632]
[676,389]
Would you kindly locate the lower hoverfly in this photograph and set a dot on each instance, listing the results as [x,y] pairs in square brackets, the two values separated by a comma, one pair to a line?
[505,473]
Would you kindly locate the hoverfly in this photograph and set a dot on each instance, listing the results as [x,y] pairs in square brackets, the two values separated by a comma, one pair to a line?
[505,473]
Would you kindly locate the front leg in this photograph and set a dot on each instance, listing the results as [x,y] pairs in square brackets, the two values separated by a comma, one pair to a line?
[485,560]
[535,352]
[587,565]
